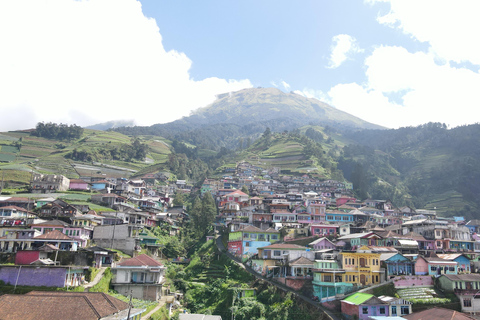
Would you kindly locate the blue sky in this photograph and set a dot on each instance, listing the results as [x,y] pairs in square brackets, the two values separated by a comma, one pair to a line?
[391,62]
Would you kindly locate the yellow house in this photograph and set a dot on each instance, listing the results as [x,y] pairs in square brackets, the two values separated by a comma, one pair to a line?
[362,267]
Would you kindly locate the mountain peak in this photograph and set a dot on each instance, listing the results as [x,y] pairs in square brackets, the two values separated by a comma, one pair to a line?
[263,104]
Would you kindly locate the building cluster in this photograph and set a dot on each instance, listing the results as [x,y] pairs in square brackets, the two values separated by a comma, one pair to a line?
[304,233]
[53,242]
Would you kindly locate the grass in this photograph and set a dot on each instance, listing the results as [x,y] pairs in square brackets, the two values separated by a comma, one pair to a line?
[91,274]
[160,314]
[104,284]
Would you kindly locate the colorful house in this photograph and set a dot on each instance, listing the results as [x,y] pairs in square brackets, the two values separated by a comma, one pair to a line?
[329,280]
[323,229]
[463,263]
[48,276]
[396,264]
[338,216]
[434,266]
[322,244]
[363,306]
[245,242]
[362,267]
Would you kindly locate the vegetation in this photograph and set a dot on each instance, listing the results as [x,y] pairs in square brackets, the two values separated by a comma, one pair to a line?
[58,131]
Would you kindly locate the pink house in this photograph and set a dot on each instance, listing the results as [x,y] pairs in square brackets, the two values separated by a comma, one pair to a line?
[421,266]
[323,229]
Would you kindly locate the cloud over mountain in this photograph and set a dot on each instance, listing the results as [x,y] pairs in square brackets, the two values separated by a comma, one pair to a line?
[86,62]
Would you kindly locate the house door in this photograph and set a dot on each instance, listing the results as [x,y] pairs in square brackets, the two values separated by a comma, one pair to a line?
[362,279]
[469,285]
[362,262]
[394,310]
[134,277]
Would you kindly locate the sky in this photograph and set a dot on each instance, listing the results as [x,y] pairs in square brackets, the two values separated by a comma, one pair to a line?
[394,63]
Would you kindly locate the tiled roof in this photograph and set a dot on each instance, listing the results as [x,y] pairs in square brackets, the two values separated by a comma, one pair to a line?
[302,261]
[59,305]
[463,277]
[52,223]
[437,313]
[141,260]
[53,235]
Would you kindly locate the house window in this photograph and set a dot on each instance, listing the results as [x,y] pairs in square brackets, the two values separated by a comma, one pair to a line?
[405,310]
[467,302]
[365,310]
[274,237]
[276,253]
[433,268]
[376,278]
[253,236]
[451,268]
[247,244]
[327,278]
[382,310]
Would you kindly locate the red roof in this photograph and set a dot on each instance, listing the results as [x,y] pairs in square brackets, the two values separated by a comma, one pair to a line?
[53,235]
[15,207]
[438,313]
[141,260]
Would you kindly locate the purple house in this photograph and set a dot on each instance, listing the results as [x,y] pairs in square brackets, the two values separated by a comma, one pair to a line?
[49,276]
[321,244]
[362,306]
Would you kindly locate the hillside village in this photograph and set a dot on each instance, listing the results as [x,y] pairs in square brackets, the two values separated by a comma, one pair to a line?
[312,236]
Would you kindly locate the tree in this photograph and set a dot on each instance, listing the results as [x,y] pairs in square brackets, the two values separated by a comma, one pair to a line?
[209,211]
[178,200]
[245,189]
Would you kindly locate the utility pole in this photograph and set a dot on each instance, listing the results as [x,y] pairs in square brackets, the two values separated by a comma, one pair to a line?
[114,224]
[130,305]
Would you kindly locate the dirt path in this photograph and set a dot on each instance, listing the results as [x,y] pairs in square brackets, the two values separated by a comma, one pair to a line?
[161,303]
[96,280]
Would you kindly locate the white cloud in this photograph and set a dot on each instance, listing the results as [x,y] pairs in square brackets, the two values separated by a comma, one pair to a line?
[405,88]
[86,62]
[430,92]
[311,93]
[450,27]
[285,85]
[343,48]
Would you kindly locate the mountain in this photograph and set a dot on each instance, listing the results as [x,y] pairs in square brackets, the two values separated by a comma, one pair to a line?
[247,113]
[264,104]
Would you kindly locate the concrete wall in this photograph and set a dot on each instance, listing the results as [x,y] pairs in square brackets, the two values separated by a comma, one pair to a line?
[140,291]
[412,281]
[125,245]
[33,276]
[102,236]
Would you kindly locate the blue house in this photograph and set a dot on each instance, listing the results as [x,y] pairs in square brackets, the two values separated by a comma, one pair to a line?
[457,245]
[463,263]
[338,216]
[396,264]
